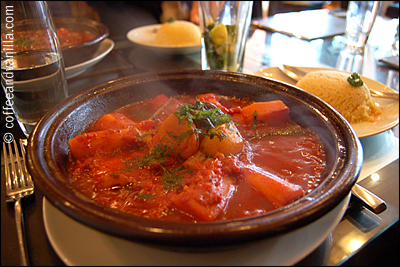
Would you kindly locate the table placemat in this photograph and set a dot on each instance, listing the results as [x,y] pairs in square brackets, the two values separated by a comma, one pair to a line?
[307,25]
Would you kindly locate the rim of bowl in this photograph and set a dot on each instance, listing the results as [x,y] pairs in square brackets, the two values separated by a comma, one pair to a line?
[99,29]
[52,182]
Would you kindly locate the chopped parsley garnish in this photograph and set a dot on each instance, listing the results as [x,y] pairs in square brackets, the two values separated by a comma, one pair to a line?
[212,134]
[158,154]
[171,19]
[128,166]
[183,135]
[255,120]
[146,196]
[170,178]
[355,80]
[25,41]
[205,115]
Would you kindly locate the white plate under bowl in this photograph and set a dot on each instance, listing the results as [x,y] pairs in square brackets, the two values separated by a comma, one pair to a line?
[388,119]
[144,36]
[105,47]
[78,244]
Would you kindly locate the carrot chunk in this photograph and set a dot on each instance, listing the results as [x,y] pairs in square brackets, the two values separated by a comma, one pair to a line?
[113,121]
[146,125]
[87,144]
[158,101]
[275,189]
[205,201]
[272,112]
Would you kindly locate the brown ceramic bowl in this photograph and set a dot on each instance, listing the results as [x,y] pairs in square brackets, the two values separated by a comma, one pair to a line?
[75,53]
[81,52]
[48,148]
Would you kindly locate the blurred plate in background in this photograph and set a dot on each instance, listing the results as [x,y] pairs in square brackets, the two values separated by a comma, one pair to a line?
[144,36]
[390,107]
[105,47]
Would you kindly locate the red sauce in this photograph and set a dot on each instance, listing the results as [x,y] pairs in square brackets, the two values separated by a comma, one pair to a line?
[32,40]
[267,168]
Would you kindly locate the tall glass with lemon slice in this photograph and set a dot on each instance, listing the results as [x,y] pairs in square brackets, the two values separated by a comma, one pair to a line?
[225,27]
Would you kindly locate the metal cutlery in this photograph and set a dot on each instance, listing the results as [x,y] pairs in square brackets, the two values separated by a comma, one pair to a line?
[375,203]
[296,74]
[19,184]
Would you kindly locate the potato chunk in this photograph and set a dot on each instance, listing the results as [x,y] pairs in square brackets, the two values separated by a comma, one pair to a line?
[225,138]
[179,136]
[114,121]
[207,200]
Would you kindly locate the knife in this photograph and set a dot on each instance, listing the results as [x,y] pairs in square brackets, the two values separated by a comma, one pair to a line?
[296,74]
[374,203]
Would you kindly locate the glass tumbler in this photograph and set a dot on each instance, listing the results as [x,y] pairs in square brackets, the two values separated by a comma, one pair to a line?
[360,18]
[32,66]
[225,28]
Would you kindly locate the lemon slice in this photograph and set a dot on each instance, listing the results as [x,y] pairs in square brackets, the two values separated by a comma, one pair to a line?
[219,34]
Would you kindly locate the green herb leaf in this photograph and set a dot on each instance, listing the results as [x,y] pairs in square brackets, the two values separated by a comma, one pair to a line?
[25,41]
[146,196]
[170,178]
[182,135]
[205,115]
[213,134]
[255,120]
[355,80]
[158,154]
[171,19]
[128,166]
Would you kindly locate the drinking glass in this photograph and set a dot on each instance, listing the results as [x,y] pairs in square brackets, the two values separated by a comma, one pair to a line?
[32,66]
[225,27]
[360,18]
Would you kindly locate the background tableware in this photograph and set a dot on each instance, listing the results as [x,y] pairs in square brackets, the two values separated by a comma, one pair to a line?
[299,24]
[33,80]
[225,27]
[105,47]
[144,37]
[297,74]
[390,107]
[360,18]
[81,52]
[375,203]
[48,155]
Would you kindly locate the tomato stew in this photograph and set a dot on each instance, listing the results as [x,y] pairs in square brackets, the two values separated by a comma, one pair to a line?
[196,158]
[33,40]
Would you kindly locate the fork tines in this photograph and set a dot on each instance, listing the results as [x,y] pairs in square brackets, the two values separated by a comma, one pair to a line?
[18,179]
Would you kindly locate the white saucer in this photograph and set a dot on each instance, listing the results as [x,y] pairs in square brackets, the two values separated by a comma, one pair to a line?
[77,244]
[105,47]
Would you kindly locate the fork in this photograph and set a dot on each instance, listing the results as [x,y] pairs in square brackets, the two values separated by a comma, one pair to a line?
[19,184]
